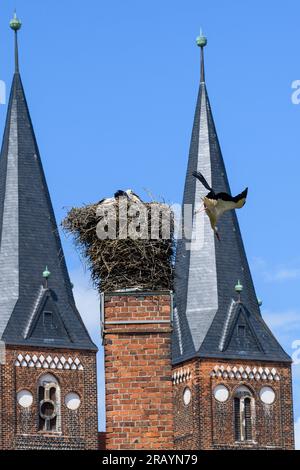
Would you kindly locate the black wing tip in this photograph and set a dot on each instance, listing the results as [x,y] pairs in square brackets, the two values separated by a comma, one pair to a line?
[201,178]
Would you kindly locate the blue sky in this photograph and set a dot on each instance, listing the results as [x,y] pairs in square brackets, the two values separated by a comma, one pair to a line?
[112,88]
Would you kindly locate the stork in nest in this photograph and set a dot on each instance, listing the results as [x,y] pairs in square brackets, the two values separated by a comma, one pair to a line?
[129,194]
[216,204]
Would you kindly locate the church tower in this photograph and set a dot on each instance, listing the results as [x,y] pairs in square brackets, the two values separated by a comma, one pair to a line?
[231,378]
[48,396]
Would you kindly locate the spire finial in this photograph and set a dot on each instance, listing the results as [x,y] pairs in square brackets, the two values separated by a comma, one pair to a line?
[46,275]
[15,25]
[201,42]
[238,289]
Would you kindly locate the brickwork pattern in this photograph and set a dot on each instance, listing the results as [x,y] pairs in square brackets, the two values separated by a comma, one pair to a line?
[213,422]
[19,426]
[139,405]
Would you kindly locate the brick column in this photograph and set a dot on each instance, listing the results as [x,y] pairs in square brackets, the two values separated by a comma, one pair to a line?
[137,343]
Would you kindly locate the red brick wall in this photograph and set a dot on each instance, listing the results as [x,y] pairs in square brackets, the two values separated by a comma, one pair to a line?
[101,440]
[139,411]
[213,422]
[186,417]
[19,426]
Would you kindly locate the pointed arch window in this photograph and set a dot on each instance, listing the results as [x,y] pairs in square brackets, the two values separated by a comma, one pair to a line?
[244,408]
[49,404]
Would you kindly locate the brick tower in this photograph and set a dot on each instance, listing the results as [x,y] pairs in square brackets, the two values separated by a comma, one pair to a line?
[48,361]
[231,378]
[136,330]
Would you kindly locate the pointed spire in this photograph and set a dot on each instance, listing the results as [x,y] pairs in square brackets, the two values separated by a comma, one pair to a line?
[206,271]
[201,42]
[15,25]
[29,240]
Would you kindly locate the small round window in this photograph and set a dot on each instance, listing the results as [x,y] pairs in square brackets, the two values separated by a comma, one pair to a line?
[267,395]
[24,398]
[187,396]
[221,393]
[72,401]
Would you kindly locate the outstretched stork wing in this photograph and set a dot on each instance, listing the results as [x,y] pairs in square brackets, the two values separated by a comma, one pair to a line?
[241,196]
[201,178]
[224,202]
[236,199]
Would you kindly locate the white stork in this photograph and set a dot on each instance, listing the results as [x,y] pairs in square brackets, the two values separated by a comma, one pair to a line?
[129,194]
[215,204]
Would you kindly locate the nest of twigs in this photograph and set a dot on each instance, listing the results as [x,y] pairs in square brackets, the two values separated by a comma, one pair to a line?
[122,261]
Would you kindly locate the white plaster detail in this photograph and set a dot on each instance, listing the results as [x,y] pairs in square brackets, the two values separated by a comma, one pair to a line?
[49,362]
[72,401]
[24,398]
[241,373]
[267,395]
[187,396]
[182,375]
[221,393]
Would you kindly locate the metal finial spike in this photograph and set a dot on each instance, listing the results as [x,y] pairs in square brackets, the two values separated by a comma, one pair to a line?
[15,25]
[238,288]
[201,42]
[46,273]
[202,71]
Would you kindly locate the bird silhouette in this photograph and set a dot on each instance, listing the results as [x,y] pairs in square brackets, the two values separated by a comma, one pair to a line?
[216,204]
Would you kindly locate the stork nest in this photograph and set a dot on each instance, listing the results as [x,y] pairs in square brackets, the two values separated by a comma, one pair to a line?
[124,263]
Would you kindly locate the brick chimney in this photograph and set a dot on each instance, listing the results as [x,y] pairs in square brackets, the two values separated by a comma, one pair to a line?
[136,329]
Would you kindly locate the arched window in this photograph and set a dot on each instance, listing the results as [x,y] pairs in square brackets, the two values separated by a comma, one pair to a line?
[244,407]
[49,404]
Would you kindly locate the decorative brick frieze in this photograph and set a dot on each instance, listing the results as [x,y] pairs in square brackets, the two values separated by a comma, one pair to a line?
[243,373]
[48,362]
[182,375]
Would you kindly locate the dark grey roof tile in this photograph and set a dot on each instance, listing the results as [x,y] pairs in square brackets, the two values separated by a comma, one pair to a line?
[30,239]
[205,277]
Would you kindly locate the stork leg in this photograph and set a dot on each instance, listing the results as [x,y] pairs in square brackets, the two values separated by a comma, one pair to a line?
[202,209]
[218,236]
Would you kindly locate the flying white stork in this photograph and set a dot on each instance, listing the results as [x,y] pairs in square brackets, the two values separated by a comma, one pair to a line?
[215,204]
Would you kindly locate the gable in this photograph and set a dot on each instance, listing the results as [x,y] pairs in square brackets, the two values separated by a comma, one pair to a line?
[241,337]
[47,324]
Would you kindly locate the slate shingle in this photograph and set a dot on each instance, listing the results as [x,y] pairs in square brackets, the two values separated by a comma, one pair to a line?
[30,240]
[206,276]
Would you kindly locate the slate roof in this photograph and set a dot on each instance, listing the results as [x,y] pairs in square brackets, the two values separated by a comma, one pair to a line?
[29,242]
[207,270]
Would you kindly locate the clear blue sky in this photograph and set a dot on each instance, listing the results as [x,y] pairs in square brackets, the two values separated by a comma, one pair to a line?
[111,88]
